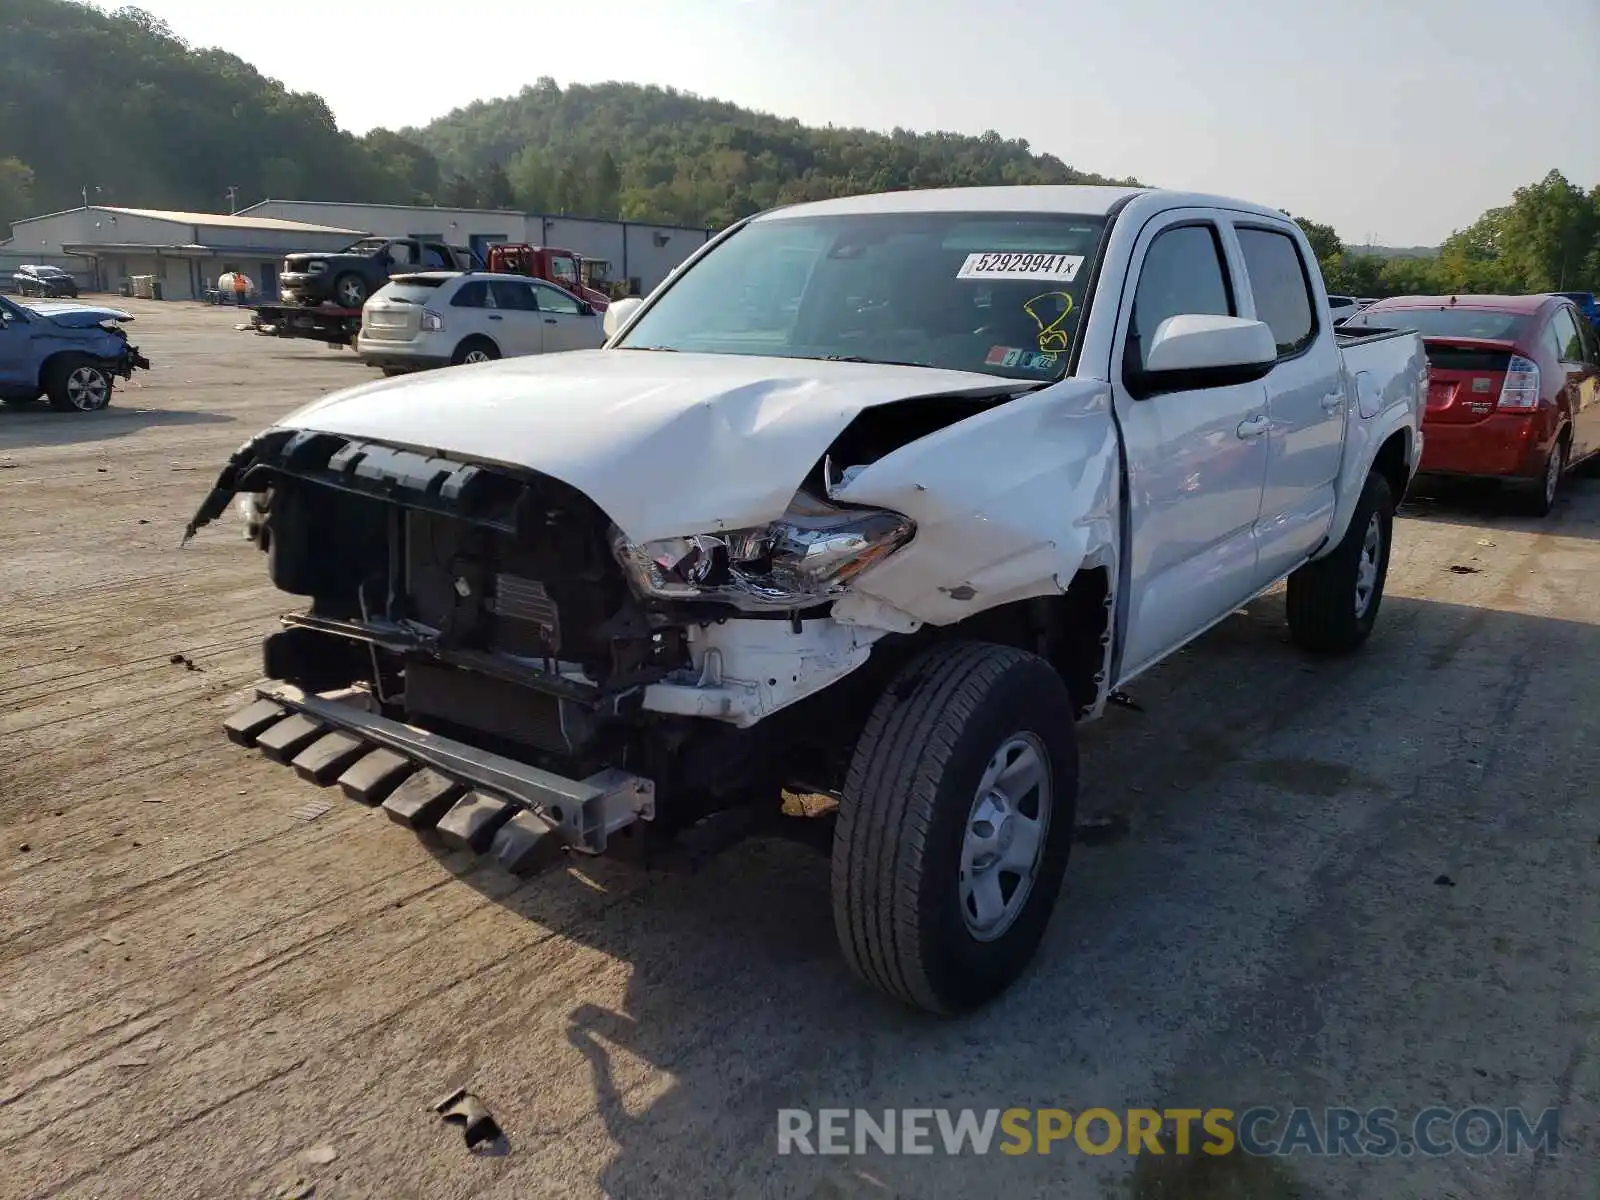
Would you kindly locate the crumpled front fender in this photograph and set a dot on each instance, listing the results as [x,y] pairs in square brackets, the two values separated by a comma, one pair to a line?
[1010,504]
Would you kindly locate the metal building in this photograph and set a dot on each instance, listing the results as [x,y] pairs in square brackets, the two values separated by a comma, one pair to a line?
[635,251]
[105,246]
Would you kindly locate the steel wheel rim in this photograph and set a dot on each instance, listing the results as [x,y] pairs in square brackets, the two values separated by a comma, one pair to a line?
[350,293]
[476,356]
[1367,565]
[1003,841]
[1552,475]
[88,389]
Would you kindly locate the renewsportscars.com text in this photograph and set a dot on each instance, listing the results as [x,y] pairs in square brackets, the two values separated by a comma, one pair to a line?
[1266,1131]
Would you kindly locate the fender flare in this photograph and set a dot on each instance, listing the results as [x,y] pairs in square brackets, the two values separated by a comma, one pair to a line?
[1366,439]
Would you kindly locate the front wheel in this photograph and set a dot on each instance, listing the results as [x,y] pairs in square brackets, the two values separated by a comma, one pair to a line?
[955,825]
[78,384]
[1333,602]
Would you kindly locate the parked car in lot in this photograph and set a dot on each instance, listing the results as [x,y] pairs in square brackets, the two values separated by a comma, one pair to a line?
[43,280]
[347,278]
[1514,391]
[440,318]
[73,353]
[875,497]
[1587,306]
[1343,307]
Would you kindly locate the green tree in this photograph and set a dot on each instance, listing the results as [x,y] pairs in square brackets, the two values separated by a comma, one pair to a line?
[1325,243]
[16,191]
[1548,231]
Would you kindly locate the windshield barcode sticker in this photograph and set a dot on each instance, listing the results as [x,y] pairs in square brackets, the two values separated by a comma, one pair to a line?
[1009,265]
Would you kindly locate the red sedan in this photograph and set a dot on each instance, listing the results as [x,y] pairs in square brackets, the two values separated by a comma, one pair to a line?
[1513,385]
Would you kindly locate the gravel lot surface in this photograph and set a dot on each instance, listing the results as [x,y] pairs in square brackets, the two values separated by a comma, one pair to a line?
[203,994]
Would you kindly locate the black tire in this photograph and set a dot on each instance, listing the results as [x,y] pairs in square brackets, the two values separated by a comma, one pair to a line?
[75,383]
[350,290]
[1326,613]
[1540,500]
[475,345]
[908,799]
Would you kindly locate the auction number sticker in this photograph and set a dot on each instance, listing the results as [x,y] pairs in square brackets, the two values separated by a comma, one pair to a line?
[1005,264]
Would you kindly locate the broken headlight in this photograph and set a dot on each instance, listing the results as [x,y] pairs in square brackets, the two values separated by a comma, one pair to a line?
[807,556]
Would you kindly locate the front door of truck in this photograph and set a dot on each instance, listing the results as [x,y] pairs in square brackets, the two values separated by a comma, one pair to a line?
[1305,398]
[1196,459]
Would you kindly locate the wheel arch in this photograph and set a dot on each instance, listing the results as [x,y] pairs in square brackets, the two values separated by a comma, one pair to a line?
[472,339]
[52,360]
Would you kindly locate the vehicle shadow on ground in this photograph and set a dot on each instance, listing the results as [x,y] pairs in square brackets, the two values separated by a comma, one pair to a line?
[739,995]
[36,425]
[1487,505]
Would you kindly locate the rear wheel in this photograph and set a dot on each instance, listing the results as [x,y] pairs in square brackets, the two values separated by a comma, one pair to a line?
[475,350]
[955,825]
[350,291]
[1334,601]
[78,384]
[1542,500]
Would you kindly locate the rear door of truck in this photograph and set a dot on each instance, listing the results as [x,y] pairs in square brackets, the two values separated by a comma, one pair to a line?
[1305,396]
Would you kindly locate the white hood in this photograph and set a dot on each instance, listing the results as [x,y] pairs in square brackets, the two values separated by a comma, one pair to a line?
[665,443]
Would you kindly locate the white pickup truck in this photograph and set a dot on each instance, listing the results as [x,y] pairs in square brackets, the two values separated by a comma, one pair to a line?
[875,498]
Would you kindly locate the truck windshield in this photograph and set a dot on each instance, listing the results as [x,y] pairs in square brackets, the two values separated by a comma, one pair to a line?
[998,293]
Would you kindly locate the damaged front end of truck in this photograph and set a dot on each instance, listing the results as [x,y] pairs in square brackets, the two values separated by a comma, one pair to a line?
[488,654]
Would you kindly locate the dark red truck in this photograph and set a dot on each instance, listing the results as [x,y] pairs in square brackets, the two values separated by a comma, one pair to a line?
[1514,386]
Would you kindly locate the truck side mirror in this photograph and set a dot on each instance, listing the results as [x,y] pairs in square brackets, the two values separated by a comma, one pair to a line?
[1198,350]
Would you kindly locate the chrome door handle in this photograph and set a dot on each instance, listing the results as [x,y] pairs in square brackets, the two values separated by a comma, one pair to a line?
[495,317]
[549,320]
[1333,402]
[1253,427]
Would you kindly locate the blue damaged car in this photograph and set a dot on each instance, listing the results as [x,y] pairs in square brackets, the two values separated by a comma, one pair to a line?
[68,351]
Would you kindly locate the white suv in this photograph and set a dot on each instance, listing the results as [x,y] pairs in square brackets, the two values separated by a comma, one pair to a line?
[441,318]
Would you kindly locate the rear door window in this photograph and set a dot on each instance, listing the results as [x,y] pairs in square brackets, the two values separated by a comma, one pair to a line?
[473,295]
[1281,287]
[1591,342]
[1568,342]
[513,296]
[1183,273]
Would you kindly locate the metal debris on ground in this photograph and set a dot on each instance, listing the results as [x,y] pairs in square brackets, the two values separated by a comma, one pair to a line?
[1485,542]
[1123,700]
[1460,569]
[311,810]
[463,1108]
[1445,881]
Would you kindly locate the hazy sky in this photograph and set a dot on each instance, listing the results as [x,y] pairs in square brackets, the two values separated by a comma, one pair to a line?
[1398,120]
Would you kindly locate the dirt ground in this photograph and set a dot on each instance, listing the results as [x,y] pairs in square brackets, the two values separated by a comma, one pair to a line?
[1369,883]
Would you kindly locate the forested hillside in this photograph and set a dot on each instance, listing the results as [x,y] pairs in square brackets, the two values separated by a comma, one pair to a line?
[618,149]
[116,104]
